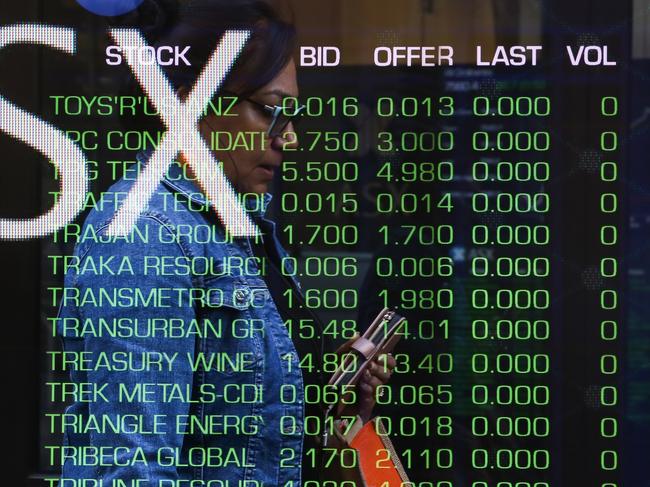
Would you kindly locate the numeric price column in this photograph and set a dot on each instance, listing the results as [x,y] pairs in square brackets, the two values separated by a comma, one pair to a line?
[510,294]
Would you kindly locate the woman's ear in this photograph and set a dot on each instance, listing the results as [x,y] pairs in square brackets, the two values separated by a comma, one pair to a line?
[207,125]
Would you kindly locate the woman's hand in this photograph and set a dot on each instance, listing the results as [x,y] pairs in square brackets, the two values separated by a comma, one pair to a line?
[377,373]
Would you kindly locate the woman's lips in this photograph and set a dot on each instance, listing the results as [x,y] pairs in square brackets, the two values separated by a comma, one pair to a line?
[268,169]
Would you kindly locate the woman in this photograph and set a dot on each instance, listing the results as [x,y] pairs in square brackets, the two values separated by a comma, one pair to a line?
[181,336]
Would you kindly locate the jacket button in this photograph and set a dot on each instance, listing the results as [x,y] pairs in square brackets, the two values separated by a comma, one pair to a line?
[240,296]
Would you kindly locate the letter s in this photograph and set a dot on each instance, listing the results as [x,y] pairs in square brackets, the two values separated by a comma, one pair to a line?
[113,52]
[52,143]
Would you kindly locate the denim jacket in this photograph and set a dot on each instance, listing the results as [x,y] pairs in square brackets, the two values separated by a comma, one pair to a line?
[173,336]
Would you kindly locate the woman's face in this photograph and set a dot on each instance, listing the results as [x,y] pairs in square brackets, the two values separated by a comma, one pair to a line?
[253,157]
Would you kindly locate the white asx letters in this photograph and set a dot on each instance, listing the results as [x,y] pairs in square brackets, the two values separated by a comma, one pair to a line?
[182,136]
[52,143]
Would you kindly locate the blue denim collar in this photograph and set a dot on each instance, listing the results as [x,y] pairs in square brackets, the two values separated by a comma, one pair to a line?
[176,180]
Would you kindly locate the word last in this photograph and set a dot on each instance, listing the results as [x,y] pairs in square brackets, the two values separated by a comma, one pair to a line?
[512,56]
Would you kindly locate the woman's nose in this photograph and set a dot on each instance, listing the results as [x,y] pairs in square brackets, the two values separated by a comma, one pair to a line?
[287,140]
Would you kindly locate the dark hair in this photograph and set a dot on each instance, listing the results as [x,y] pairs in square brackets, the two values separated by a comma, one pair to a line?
[201,24]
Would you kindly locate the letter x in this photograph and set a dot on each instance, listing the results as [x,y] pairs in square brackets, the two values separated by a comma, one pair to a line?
[181,120]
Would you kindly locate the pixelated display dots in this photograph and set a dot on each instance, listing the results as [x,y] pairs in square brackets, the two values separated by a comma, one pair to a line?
[491,218]
[489,88]
[592,279]
[589,161]
[588,39]
[110,8]
[389,37]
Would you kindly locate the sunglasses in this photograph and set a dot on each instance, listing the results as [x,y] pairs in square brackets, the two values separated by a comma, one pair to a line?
[281,115]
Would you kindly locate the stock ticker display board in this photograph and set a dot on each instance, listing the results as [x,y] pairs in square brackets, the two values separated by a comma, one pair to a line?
[206,203]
